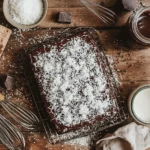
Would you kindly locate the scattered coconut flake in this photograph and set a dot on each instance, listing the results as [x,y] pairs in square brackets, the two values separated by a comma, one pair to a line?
[113,69]
[83,141]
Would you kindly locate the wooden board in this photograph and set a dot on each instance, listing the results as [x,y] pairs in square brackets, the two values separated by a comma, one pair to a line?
[132,65]
[4,37]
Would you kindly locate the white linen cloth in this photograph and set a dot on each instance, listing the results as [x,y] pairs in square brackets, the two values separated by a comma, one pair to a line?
[129,137]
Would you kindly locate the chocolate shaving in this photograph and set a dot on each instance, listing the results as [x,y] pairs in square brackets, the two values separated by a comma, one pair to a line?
[7,82]
[129,4]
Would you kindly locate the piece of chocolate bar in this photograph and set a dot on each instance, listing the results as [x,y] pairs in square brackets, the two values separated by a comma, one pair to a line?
[129,4]
[7,82]
[64,17]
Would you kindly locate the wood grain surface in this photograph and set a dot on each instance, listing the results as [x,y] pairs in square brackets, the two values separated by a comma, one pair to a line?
[132,64]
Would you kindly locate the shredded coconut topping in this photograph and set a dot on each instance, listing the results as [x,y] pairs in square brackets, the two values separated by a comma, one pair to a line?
[26,12]
[73,82]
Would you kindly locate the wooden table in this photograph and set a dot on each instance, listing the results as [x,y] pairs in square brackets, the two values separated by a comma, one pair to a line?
[132,64]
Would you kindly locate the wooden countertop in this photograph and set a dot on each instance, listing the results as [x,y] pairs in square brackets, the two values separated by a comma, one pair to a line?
[132,63]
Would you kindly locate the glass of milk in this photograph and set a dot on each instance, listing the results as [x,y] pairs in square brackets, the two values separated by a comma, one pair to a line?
[139,104]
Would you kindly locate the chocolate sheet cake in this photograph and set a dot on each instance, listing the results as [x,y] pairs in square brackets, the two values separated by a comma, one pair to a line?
[71,76]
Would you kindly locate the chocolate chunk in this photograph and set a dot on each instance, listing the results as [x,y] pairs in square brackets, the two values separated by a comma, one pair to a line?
[129,4]
[7,82]
[64,17]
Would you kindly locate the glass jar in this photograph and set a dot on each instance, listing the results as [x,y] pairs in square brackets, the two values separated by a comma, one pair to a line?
[139,25]
[138,104]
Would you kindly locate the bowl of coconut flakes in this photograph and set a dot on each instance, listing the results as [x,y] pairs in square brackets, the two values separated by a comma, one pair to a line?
[25,14]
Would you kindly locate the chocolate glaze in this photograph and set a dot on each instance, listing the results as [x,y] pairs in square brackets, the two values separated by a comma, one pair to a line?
[144,24]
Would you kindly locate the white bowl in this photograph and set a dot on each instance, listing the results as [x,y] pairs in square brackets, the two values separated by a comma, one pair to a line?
[18,25]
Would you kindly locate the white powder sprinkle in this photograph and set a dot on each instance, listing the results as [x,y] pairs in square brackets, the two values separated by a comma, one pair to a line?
[73,82]
[26,12]
[83,141]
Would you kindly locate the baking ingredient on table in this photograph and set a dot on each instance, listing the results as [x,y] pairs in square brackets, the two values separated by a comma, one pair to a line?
[138,28]
[26,12]
[4,37]
[129,137]
[64,17]
[144,24]
[81,141]
[141,105]
[7,82]
[129,4]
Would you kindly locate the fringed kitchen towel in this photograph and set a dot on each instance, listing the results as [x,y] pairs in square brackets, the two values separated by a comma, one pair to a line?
[129,137]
